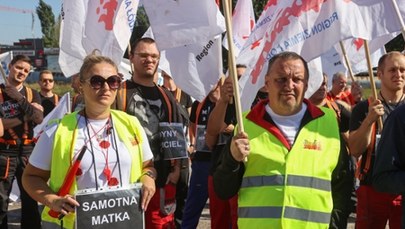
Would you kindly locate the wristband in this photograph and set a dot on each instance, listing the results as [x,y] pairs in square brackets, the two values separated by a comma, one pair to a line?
[149,174]
[191,145]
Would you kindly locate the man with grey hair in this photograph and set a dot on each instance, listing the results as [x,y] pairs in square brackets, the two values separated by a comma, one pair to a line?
[340,91]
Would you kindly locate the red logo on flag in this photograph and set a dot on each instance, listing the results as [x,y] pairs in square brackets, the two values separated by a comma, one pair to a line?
[283,20]
[255,44]
[358,42]
[108,17]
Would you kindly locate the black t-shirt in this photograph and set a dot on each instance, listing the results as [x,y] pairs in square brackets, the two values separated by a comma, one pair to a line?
[203,116]
[146,104]
[149,106]
[184,103]
[48,103]
[358,115]
[223,138]
[185,99]
[230,117]
[11,109]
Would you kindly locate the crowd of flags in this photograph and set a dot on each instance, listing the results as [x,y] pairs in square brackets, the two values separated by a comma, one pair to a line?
[189,36]
[188,33]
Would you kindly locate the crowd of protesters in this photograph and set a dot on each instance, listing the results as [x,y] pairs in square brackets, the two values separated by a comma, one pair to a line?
[296,163]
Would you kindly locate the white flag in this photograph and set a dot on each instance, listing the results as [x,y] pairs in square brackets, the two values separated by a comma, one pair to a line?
[5,59]
[308,27]
[88,25]
[332,62]
[243,21]
[58,112]
[380,17]
[357,55]
[194,68]
[362,65]
[177,23]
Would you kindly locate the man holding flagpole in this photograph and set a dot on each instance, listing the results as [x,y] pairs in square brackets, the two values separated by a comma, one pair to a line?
[286,180]
[375,208]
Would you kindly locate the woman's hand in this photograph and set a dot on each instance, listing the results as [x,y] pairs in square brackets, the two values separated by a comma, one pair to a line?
[148,190]
[63,204]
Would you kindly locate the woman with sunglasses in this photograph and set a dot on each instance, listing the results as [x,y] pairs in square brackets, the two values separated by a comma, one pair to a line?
[109,148]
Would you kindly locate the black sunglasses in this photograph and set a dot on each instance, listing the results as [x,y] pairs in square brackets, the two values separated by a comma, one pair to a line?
[97,82]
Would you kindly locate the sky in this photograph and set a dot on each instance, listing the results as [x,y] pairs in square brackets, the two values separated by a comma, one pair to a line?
[16,25]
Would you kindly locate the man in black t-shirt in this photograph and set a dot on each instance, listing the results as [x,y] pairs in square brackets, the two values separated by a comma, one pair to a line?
[48,99]
[220,129]
[20,111]
[152,105]
[374,208]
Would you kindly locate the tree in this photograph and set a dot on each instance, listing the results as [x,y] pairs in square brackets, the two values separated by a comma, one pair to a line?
[48,28]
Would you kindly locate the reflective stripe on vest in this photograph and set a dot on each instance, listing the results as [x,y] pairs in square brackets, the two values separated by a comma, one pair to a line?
[127,128]
[292,180]
[289,212]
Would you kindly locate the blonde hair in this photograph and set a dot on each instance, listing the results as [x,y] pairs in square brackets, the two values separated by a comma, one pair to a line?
[93,59]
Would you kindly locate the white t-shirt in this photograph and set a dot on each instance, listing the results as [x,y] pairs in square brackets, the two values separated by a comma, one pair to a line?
[42,153]
[288,125]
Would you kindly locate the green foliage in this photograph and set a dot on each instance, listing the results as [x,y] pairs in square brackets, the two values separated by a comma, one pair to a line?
[141,17]
[59,89]
[258,6]
[48,25]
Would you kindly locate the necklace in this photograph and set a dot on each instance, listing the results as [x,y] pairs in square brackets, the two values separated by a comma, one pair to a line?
[102,139]
[389,105]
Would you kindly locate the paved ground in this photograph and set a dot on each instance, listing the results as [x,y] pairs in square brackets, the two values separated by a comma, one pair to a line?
[14,218]
[205,220]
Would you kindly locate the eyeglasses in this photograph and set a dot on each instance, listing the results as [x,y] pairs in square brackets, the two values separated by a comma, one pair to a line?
[143,55]
[97,82]
[47,80]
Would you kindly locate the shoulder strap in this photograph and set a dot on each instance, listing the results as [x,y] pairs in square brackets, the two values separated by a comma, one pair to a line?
[56,99]
[197,113]
[332,105]
[122,97]
[363,165]
[178,95]
[1,96]
[169,105]
[29,94]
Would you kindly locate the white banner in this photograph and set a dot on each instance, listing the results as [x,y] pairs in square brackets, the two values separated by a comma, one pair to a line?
[194,68]
[5,59]
[89,25]
[307,27]
[243,21]
[178,23]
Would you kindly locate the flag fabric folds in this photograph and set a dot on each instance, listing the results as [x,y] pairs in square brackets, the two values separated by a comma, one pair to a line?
[89,25]
[308,27]
[243,21]
[178,23]
[5,59]
[195,68]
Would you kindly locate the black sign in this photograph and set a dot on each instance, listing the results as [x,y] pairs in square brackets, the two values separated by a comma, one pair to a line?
[109,208]
[173,141]
[200,139]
